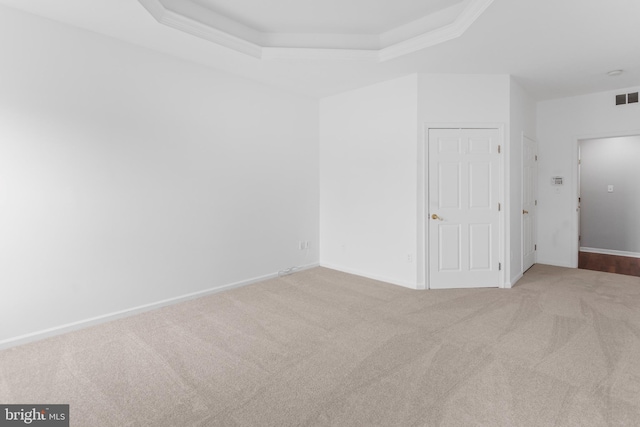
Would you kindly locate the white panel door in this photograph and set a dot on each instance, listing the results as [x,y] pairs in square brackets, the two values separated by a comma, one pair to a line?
[529,195]
[464,220]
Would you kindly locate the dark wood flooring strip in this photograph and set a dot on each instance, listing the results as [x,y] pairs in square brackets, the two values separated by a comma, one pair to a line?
[609,263]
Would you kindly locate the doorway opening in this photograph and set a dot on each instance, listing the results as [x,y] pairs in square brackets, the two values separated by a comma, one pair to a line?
[609,204]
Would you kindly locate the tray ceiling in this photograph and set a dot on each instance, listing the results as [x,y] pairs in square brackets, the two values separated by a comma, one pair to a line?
[370,30]
[325,16]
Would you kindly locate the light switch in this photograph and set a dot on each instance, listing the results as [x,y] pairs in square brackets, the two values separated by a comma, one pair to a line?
[610,189]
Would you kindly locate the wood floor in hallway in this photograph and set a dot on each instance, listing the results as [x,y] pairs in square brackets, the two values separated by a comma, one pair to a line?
[609,263]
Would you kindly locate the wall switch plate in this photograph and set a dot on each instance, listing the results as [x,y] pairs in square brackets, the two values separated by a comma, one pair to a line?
[610,189]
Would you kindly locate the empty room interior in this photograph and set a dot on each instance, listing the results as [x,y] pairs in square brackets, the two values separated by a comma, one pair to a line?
[346,213]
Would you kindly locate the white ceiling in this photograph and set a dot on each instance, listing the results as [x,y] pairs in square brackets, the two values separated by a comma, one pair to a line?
[325,16]
[554,48]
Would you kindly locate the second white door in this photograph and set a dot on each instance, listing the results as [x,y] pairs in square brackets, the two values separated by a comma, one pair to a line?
[529,180]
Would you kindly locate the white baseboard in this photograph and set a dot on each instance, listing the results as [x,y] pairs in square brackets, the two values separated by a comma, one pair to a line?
[554,263]
[81,324]
[514,280]
[390,280]
[610,252]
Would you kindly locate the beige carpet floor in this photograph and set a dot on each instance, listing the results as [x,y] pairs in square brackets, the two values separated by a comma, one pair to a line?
[325,348]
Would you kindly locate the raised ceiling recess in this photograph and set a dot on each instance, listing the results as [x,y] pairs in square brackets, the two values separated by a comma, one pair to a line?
[370,30]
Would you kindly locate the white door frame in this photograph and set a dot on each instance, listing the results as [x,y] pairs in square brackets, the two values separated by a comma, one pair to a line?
[575,187]
[423,200]
[535,256]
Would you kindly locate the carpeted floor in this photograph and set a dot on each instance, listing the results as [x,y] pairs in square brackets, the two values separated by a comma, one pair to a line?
[325,348]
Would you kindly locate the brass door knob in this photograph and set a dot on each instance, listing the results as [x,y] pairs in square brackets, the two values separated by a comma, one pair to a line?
[524,212]
[435,216]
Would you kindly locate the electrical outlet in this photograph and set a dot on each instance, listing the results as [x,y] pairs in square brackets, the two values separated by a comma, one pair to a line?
[409,257]
[306,244]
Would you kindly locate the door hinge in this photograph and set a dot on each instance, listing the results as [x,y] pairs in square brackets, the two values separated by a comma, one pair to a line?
[499,207]
[536,157]
[535,247]
[499,149]
[536,203]
[499,266]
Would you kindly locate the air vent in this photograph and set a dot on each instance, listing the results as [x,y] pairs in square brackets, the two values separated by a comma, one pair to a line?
[627,98]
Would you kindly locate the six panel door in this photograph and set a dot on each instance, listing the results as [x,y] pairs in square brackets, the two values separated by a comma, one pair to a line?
[464,217]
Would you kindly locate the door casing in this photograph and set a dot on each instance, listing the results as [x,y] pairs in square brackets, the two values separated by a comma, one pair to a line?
[533,208]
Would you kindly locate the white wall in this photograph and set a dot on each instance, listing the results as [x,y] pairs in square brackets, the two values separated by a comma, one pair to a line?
[522,121]
[561,123]
[464,98]
[368,181]
[128,177]
[610,220]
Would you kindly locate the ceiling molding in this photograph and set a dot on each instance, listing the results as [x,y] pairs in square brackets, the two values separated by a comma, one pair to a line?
[183,23]
[451,31]
[431,30]
[423,25]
